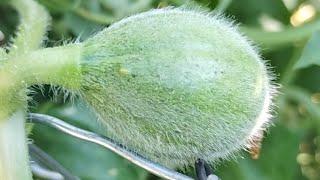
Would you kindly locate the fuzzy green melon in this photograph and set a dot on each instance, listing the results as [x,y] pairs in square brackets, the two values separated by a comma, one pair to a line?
[176,85]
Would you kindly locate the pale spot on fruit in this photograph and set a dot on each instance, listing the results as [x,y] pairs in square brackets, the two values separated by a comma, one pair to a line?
[123,71]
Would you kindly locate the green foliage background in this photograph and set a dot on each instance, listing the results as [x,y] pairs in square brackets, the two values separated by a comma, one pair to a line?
[291,147]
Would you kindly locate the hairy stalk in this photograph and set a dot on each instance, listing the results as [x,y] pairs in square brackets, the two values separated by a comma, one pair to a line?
[58,66]
[13,149]
[34,21]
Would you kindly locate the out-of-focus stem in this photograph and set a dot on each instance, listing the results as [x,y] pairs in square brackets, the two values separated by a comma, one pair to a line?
[14,162]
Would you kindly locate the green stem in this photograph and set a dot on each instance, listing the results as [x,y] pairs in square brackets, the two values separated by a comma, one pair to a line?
[34,20]
[14,162]
[56,66]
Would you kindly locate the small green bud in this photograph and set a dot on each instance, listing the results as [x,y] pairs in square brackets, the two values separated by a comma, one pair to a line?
[176,85]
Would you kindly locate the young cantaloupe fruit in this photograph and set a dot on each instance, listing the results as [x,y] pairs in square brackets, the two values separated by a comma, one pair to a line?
[175,85]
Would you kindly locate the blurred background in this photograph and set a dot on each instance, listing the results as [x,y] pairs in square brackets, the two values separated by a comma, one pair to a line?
[286,31]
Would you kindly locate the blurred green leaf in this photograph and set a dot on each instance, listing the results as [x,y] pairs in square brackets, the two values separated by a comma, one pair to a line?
[80,27]
[122,8]
[59,6]
[251,11]
[223,5]
[4,1]
[311,52]
[309,78]
[8,21]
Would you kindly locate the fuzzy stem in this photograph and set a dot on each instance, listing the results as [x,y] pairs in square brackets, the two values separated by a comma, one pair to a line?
[56,66]
[14,162]
[34,20]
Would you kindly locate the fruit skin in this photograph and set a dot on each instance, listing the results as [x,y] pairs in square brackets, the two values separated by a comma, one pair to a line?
[175,85]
